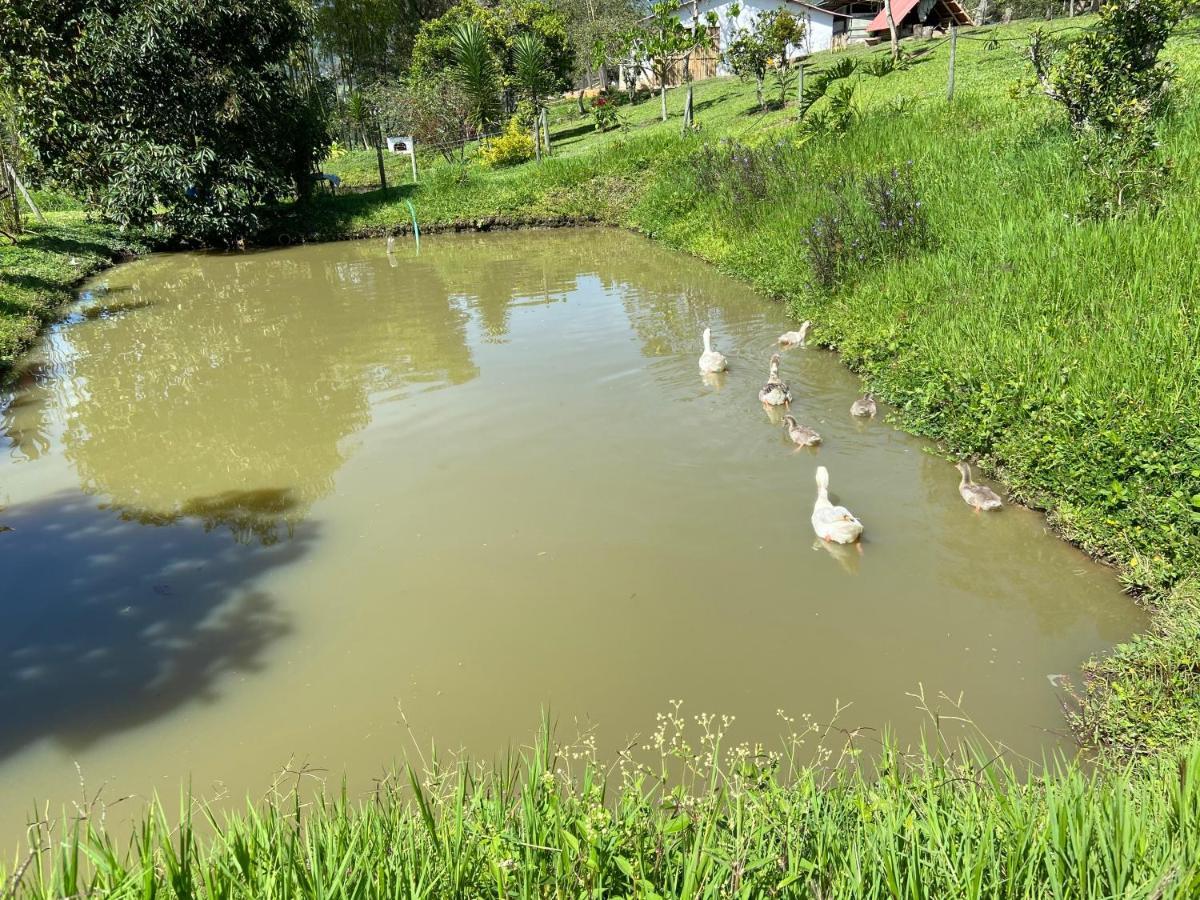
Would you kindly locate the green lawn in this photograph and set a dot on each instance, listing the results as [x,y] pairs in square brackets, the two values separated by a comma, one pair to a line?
[36,275]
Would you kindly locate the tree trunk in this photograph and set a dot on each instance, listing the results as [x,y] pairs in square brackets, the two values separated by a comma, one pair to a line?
[662,91]
[758,86]
[887,8]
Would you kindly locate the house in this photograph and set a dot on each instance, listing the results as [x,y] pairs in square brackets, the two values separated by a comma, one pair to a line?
[912,14]
[823,29]
[867,20]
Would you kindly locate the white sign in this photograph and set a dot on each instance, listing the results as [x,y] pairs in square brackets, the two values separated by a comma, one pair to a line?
[404,144]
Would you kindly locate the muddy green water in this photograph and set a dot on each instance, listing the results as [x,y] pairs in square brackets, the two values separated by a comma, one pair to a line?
[258,500]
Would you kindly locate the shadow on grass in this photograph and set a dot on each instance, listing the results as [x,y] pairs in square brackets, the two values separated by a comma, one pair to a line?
[114,618]
[48,242]
[323,216]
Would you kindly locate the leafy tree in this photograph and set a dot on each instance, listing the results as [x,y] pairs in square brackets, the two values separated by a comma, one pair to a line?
[434,49]
[476,72]
[531,77]
[1114,89]
[597,29]
[370,40]
[665,40]
[762,49]
[192,106]
[433,109]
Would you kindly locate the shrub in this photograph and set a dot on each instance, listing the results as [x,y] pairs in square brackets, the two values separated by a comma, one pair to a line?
[870,220]
[514,146]
[604,111]
[1114,89]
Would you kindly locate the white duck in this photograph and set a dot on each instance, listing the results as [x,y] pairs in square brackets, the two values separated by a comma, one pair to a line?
[833,523]
[979,496]
[775,392]
[800,435]
[864,406]
[795,338]
[712,360]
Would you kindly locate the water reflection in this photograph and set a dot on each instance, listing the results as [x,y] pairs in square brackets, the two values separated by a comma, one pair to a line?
[273,371]
[127,622]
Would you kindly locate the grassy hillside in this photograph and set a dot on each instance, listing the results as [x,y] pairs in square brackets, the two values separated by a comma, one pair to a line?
[1061,350]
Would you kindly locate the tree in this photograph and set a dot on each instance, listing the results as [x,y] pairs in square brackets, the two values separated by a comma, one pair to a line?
[501,24]
[476,72]
[665,40]
[596,29]
[192,106]
[762,48]
[895,36]
[1114,89]
[531,78]
[433,109]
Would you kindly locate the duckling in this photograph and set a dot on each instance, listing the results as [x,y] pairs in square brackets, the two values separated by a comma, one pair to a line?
[711,360]
[977,495]
[775,392]
[833,523]
[795,338]
[801,435]
[864,406]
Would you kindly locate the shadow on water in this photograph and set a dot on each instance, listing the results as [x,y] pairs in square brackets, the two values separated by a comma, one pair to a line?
[110,624]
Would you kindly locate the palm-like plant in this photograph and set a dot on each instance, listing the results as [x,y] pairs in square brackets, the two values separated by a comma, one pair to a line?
[476,72]
[530,73]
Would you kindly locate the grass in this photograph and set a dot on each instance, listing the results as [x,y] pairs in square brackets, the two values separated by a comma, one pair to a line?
[38,272]
[1060,351]
[687,817]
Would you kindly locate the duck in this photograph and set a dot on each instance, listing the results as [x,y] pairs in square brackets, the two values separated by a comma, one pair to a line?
[833,523]
[864,406]
[795,338]
[712,360]
[800,435]
[979,496]
[775,392]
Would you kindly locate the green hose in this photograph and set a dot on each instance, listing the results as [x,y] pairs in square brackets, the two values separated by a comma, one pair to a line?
[416,230]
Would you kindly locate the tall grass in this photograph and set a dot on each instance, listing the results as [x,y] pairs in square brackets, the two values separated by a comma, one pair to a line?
[687,817]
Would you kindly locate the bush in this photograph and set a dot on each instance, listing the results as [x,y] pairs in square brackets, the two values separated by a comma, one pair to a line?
[1114,89]
[604,111]
[514,146]
[872,220]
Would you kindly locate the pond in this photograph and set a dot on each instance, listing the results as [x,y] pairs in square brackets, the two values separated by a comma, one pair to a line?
[260,503]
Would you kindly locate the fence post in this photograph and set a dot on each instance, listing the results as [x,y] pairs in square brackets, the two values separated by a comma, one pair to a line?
[800,90]
[953,49]
[379,156]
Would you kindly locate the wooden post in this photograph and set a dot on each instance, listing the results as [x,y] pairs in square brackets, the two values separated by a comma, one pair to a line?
[379,156]
[800,90]
[953,49]
[546,128]
[412,155]
[687,109]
